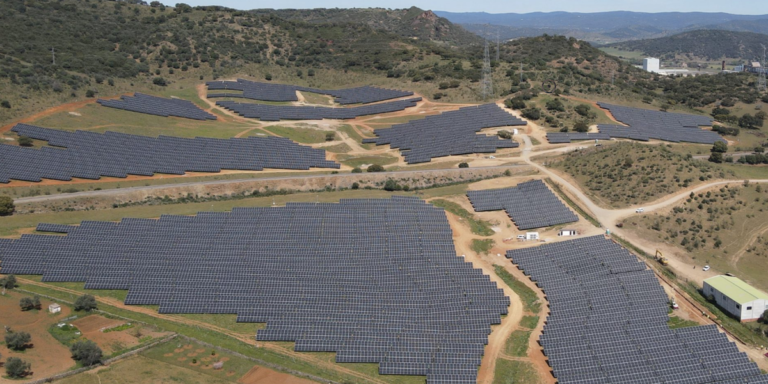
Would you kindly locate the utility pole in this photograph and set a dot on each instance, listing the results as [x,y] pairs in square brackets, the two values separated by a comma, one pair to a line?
[487,86]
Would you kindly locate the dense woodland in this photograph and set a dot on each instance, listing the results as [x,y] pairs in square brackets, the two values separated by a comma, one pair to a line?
[706,45]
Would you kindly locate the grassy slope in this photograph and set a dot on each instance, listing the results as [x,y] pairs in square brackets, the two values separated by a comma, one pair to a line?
[737,216]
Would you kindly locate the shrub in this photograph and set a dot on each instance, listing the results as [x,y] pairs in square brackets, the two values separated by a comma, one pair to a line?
[90,93]
[16,368]
[159,81]
[6,206]
[17,341]
[515,103]
[330,136]
[268,77]
[555,105]
[532,113]
[86,352]
[375,168]
[29,303]
[310,72]
[463,165]
[720,147]
[505,134]
[25,141]
[716,157]
[438,95]
[85,303]
[581,126]
[5,104]
[8,282]
[357,170]
[355,185]
[392,185]
[583,110]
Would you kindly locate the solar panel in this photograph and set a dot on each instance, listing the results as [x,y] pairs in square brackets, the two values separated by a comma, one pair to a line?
[93,155]
[374,280]
[608,321]
[283,92]
[159,106]
[266,112]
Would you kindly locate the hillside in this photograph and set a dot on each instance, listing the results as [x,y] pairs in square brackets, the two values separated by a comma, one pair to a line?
[701,45]
[411,23]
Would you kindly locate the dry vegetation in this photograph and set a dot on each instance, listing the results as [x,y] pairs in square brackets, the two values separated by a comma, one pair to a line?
[625,174]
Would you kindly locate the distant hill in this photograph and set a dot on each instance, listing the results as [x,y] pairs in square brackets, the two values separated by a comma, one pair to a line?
[604,27]
[411,23]
[702,45]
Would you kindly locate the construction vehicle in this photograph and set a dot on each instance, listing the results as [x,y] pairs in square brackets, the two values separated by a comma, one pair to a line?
[661,259]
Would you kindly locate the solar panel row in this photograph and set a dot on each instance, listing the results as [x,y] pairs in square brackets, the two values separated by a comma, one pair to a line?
[375,281]
[529,205]
[643,125]
[449,133]
[91,155]
[266,112]
[159,106]
[608,321]
[283,92]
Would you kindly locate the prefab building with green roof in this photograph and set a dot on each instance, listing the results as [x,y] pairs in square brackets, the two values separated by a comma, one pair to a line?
[738,298]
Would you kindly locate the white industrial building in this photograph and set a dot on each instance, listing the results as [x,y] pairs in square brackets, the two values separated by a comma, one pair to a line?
[651,64]
[738,298]
[567,232]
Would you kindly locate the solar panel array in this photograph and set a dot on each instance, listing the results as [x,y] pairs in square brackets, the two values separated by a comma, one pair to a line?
[376,281]
[567,137]
[283,92]
[646,124]
[92,155]
[608,321]
[529,205]
[159,106]
[449,133]
[266,112]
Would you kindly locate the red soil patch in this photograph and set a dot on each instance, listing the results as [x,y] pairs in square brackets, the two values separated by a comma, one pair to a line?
[109,341]
[181,359]
[94,323]
[47,355]
[261,375]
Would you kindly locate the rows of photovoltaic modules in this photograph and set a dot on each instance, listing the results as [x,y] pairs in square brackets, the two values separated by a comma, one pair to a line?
[159,106]
[376,281]
[449,133]
[91,155]
[608,321]
[283,92]
[645,124]
[529,205]
[266,112]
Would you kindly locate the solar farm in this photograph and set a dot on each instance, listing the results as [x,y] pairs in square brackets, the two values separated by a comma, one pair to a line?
[282,92]
[91,155]
[265,112]
[608,321]
[447,134]
[392,292]
[644,125]
[159,106]
[530,205]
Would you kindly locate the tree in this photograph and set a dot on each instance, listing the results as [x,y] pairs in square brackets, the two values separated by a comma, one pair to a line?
[5,104]
[17,340]
[716,157]
[29,303]
[581,126]
[628,162]
[504,134]
[764,317]
[750,122]
[555,105]
[85,303]
[268,77]
[330,136]
[463,165]
[310,72]
[355,185]
[6,206]
[515,103]
[532,113]
[86,352]
[392,185]
[357,170]
[8,282]
[375,168]
[25,141]
[90,93]
[720,147]
[159,81]
[16,368]
[583,110]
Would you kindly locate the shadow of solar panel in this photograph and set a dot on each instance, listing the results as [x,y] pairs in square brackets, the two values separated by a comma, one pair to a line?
[391,292]
[608,321]
[93,155]
[450,133]
[644,124]
[530,205]
[283,92]
[266,112]
[159,106]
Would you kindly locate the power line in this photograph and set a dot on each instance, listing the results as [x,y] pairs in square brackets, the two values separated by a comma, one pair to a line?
[487,86]
[761,76]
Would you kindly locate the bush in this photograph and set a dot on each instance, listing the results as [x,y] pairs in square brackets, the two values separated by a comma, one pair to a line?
[29,303]
[6,206]
[720,147]
[750,122]
[726,131]
[515,103]
[583,110]
[90,93]
[16,368]
[5,104]
[532,113]
[357,170]
[86,352]
[268,77]
[159,81]
[438,95]
[25,141]
[310,72]
[375,168]
[555,105]
[716,157]
[330,136]
[17,341]
[581,126]
[392,185]
[355,185]
[85,303]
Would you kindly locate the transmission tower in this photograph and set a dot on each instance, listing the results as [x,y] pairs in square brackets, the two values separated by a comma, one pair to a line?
[761,76]
[487,85]
[497,46]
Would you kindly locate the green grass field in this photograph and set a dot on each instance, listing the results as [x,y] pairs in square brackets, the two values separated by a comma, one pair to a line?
[141,369]
[515,372]
[517,343]
[299,135]
[724,227]
[478,227]
[530,301]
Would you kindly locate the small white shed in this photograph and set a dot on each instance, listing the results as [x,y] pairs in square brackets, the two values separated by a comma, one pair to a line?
[738,298]
[567,232]
[531,235]
[54,308]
